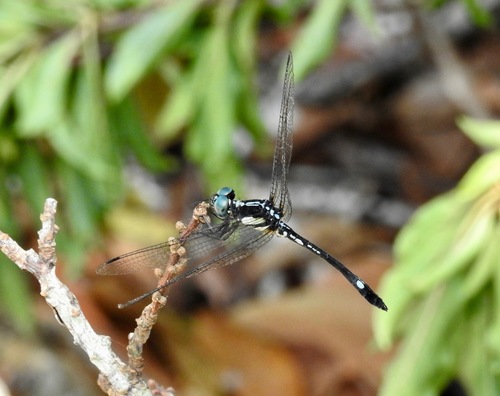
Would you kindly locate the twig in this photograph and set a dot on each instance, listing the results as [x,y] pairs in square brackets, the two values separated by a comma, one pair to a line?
[149,315]
[116,378]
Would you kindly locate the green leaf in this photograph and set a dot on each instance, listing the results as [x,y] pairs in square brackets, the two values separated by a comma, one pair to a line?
[69,142]
[209,142]
[422,243]
[425,360]
[10,76]
[178,109]
[247,109]
[36,15]
[427,234]
[444,292]
[41,94]
[79,208]
[435,3]
[284,11]
[485,133]
[9,147]
[471,235]
[113,5]
[478,13]
[243,44]
[364,11]
[474,367]
[74,250]
[485,264]
[88,107]
[15,296]
[130,134]
[33,173]
[493,333]
[243,39]
[481,176]
[388,325]
[87,130]
[8,223]
[88,117]
[82,212]
[471,357]
[142,46]
[318,36]
[82,137]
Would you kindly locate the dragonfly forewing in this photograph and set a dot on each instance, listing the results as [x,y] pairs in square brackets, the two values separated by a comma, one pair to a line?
[211,246]
[279,195]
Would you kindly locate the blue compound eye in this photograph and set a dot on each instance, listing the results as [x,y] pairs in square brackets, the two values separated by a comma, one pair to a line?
[227,192]
[221,202]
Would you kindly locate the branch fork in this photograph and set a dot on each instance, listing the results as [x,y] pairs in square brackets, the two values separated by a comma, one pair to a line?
[116,377]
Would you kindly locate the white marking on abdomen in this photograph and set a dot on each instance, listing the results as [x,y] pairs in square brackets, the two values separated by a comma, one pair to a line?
[313,249]
[299,241]
[359,284]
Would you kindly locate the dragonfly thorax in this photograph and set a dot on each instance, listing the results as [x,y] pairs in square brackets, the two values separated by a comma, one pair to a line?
[259,213]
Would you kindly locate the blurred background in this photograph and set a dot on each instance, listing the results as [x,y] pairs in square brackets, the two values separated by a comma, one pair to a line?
[129,112]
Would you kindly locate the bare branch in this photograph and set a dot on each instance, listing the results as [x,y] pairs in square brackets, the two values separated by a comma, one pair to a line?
[116,378]
[149,315]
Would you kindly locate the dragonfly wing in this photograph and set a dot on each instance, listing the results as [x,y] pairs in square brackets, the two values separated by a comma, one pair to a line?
[208,247]
[283,151]
[156,256]
[242,241]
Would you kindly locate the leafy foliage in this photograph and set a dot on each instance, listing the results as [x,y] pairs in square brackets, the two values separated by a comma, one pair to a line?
[477,12]
[71,76]
[444,293]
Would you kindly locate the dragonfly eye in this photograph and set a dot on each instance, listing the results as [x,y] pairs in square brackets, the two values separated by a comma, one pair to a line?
[227,192]
[221,202]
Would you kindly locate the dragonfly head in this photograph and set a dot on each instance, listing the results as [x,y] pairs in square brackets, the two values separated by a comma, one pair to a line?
[221,201]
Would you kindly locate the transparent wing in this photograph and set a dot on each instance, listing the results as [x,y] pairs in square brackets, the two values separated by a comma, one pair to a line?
[206,248]
[241,242]
[156,256]
[283,152]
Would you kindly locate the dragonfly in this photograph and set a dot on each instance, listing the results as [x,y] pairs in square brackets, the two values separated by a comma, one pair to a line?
[239,227]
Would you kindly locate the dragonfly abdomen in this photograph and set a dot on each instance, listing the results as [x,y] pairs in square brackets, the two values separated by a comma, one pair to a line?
[361,286]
